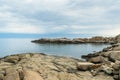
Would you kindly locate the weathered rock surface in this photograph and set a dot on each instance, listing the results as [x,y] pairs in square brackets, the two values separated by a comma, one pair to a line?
[44,67]
[11,74]
[31,75]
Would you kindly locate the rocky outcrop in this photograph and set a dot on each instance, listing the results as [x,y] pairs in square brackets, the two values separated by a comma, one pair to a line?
[97,39]
[39,66]
[109,59]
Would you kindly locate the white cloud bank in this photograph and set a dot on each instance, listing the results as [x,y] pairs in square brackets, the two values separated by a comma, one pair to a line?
[60,16]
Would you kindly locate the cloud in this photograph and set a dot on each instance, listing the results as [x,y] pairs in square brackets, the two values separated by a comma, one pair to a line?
[17,28]
[112,31]
[60,16]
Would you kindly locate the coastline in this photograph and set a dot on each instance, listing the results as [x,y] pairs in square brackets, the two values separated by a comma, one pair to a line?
[103,65]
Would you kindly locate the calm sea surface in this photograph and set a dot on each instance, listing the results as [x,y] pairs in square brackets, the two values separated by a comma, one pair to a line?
[15,46]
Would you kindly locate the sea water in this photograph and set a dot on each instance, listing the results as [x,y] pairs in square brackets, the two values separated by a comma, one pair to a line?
[23,45]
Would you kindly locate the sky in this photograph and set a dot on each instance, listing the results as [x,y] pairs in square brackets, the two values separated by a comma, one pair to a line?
[59,18]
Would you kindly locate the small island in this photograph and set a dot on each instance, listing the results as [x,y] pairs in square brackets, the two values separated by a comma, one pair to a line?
[103,65]
[96,39]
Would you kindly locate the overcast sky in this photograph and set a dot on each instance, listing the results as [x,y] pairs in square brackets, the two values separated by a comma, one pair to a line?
[99,17]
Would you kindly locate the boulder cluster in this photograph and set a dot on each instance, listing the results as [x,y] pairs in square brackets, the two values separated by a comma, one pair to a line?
[39,66]
[96,39]
[107,61]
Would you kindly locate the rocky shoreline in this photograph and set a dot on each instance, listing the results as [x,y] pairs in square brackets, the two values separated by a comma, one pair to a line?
[108,58]
[39,66]
[103,65]
[96,39]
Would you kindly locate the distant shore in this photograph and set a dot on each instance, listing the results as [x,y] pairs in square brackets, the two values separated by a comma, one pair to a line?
[96,39]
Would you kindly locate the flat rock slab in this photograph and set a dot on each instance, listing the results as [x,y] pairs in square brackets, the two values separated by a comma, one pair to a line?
[83,66]
[47,67]
[31,75]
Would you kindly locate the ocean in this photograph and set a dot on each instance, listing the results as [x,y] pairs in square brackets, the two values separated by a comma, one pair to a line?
[9,46]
